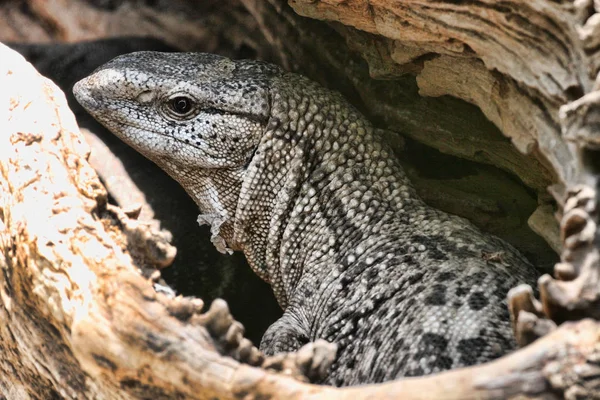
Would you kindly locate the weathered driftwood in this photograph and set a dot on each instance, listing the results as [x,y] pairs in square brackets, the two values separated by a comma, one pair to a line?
[480,188]
[84,321]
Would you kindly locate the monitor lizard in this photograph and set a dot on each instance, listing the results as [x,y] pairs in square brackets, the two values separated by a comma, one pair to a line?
[294,176]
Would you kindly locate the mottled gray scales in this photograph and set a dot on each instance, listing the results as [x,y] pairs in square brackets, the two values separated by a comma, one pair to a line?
[296,178]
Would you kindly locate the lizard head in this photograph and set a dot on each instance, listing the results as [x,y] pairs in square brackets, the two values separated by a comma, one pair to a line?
[182,110]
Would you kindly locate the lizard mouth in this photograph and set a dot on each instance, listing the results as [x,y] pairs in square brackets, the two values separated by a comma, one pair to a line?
[130,138]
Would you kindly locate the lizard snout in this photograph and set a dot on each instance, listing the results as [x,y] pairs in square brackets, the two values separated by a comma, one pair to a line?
[84,93]
[100,88]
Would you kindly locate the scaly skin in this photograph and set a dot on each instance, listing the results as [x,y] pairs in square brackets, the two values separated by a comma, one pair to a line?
[296,178]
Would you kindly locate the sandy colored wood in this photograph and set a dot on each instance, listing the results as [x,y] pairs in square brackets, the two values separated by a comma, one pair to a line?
[83,322]
[384,90]
[517,61]
[82,319]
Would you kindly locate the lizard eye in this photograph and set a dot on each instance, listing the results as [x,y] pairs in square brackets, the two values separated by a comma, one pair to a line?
[181,105]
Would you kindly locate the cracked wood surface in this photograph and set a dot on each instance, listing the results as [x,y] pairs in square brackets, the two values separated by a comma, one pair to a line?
[518,62]
[85,323]
[479,186]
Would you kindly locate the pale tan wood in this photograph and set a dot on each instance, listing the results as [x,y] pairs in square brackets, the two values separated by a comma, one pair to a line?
[81,319]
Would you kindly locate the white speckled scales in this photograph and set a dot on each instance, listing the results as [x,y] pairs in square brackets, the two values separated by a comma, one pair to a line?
[296,178]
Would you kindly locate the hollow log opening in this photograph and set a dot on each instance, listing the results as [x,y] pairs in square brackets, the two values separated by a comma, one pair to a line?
[488,106]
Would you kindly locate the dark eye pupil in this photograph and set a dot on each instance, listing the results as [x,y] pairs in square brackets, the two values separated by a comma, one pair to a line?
[181,105]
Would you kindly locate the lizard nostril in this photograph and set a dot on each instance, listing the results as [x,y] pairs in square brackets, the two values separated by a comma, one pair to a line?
[83,91]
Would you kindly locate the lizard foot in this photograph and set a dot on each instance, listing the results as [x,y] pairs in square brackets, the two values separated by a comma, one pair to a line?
[310,363]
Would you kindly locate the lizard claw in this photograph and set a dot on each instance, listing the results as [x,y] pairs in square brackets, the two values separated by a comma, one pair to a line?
[315,359]
[310,363]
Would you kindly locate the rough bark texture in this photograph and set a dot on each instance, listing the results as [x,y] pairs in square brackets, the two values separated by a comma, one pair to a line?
[82,318]
[478,174]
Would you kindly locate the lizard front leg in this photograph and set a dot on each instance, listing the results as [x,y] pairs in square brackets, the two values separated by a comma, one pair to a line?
[287,334]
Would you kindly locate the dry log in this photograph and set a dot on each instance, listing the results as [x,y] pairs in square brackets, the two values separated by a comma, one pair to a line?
[486,194]
[83,321]
[77,289]
[496,56]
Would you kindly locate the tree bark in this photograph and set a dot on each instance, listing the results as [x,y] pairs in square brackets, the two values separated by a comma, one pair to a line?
[83,314]
[479,175]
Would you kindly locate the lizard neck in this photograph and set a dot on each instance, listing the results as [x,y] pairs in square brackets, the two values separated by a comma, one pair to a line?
[319,166]
[216,192]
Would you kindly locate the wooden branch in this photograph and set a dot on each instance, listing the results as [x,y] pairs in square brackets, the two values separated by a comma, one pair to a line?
[494,56]
[83,318]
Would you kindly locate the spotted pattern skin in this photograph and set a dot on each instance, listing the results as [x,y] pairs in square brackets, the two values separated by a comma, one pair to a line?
[295,177]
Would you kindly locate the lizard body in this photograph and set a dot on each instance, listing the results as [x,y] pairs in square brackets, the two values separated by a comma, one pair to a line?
[295,177]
